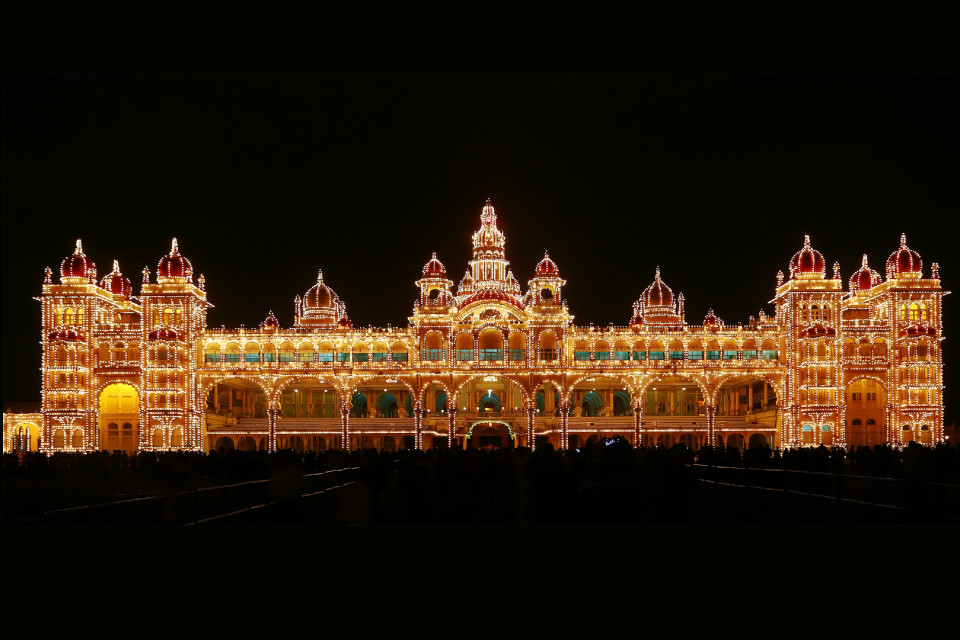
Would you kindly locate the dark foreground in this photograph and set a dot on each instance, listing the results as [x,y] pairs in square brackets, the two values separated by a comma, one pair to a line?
[609,484]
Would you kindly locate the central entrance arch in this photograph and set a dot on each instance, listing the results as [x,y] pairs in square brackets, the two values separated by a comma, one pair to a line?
[491,434]
[118,421]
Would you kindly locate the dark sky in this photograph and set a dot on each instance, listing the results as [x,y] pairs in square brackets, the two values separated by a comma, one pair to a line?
[266,178]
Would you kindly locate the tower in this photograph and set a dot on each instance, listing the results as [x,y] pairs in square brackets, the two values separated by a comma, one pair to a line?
[174,317]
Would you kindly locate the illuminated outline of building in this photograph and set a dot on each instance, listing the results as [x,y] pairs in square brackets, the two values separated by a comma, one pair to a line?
[487,364]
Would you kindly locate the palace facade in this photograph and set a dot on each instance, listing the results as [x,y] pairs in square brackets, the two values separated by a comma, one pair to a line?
[487,364]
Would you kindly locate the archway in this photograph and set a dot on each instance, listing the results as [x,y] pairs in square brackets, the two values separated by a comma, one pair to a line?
[866,400]
[25,437]
[490,435]
[118,420]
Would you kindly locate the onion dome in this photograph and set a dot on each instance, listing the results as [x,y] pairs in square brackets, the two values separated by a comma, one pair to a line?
[116,283]
[319,296]
[547,267]
[466,284]
[864,278]
[77,266]
[66,335]
[920,329]
[808,262]
[657,294]
[271,323]
[163,333]
[174,265]
[434,268]
[711,321]
[818,330]
[904,262]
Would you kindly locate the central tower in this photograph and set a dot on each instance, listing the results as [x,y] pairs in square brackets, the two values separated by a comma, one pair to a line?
[489,269]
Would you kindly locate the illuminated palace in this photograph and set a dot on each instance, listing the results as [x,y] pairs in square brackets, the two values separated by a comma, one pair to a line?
[487,364]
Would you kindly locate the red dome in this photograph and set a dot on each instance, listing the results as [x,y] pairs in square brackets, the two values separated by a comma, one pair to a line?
[174,265]
[434,268]
[636,320]
[345,322]
[163,333]
[547,267]
[116,283]
[711,320]
[904,261]
[271,322]
[658,294]
[818,330]
[864,278]
[320,296]
[68,335]
[78,265]
[807,261]
[918,330]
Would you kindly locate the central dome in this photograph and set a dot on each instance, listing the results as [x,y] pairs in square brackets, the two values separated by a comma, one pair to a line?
[808,262]
[658,294]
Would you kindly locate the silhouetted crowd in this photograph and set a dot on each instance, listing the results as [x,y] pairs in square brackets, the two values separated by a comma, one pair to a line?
[608,482]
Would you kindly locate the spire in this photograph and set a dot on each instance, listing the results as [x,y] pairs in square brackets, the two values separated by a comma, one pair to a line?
[657,276]
[79,250]
[903,241]
[116,267]
[806,241]
[146,275]
[174,251]
[836,270]
[48,276]
[319,276]
[863,264]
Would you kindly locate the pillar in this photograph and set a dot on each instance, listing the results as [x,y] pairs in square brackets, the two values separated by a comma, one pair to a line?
[272,428]
[345,425]
[418,426]
[637,419]
[451,421]
[711,423]
[564,422]
[531,421]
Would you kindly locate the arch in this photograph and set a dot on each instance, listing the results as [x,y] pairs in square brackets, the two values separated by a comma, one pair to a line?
[490,402]
[387,405]
[118,403]
[865,398]
[305,351]
[399,352]
[621,350]
[757,441]
[864,349]
[601,350]
[547,345]
[639,350]
[490,344]
[231,353]
[518,346]
[287,352]
[156,440]
[880,348]
[592,404]
[25,436]
[464,346]
[358,408]
[251,352]
[621,403]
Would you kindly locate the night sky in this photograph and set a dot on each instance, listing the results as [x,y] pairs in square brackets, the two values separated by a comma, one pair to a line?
[266,178]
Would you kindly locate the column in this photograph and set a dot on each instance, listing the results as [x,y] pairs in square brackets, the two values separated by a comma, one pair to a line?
[418,426]
[345,425]
[451,421]
[531,421]
[272,428]
[637,419]
[711,413]
[564,422]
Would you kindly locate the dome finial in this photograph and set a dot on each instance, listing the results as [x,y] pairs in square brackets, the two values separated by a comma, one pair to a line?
[116,266]
[903,241]
[806,240]
[657,276]
[174,250]
[864,263]
[319,275]
[79,249]
[434,257]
